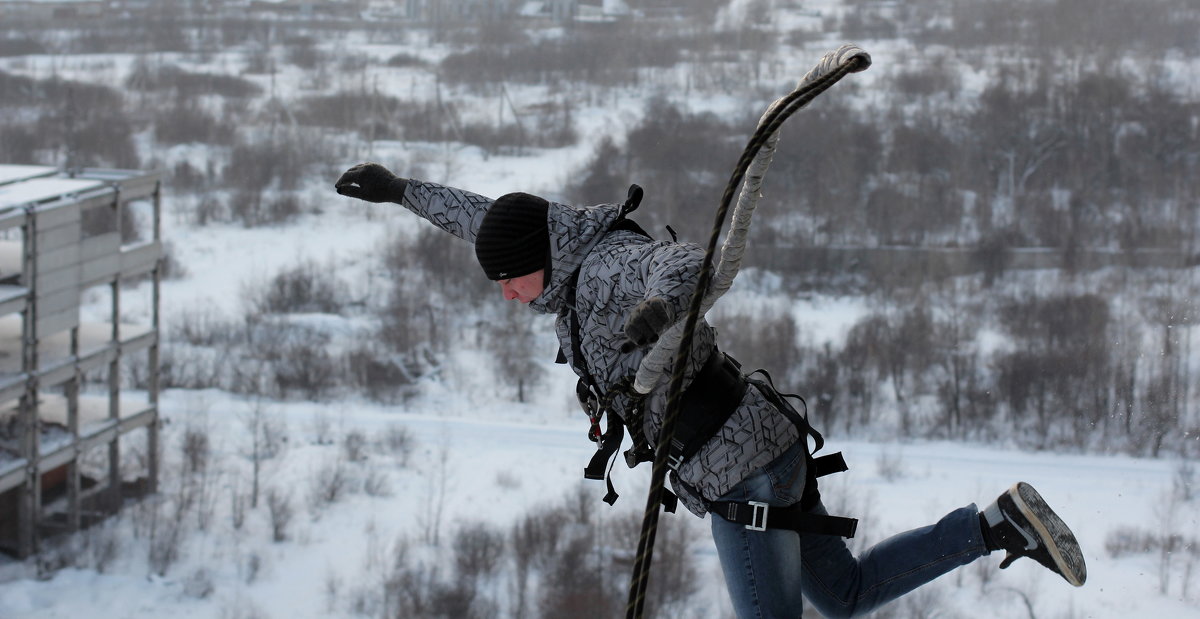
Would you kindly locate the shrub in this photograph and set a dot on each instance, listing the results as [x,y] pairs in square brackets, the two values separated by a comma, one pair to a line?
[21,46]
[186,122]
[303,288]
[354,446]
[329,484]
[187,85]
[399,442]
[477,551]
[279,505]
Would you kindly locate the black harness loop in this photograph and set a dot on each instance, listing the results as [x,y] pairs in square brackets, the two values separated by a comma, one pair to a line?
[758,516]
[708,402]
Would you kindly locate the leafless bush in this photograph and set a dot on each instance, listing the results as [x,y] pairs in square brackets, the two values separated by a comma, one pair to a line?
[383,377]
[763,337]
[890,463]
[1125,541]
[21,46]
[253,567]
[202,327]
[925,603]
[477,548]
[279,506]
[307,368]
[512,347]
[186,85]
[595,58]
[199,584]
[254,206]
[196,450]
[267,437]
[166,533]
[277,164]
[321,426]
[927,82]
[674,579]
[399,442]
[208,209]
[188,369]
[242,608]
[372,113]
[184,177]
[18,143]
[1184,483]
[418,590]
[533,541]
[405,60]
[103,546]
[437,483]
[571,587]
[328,484]
[507,480]
[333,586]
[187,122]
[303,288]
[237,506]
[303,52]
[293,357]
[354,446]
[377,484]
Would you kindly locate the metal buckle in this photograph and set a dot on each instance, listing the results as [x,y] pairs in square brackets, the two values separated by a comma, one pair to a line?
[758,517]
[674,460]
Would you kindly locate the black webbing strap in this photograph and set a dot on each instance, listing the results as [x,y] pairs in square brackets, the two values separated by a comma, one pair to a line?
[587,389]
[758,516]
[798,517]
[705,406]
[827,465]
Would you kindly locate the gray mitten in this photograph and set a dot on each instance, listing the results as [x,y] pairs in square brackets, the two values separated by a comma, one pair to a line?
[648,319]
[371,182]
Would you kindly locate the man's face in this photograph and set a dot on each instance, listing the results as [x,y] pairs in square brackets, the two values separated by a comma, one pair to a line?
[524,288]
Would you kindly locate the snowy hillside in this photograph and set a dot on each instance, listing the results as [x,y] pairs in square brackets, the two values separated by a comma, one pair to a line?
[394,441]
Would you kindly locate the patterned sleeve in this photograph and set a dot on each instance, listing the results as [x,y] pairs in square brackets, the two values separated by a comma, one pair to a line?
[456,211]
[671,271]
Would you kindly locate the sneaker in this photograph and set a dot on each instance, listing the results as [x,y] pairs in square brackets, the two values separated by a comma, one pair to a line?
[1021,522]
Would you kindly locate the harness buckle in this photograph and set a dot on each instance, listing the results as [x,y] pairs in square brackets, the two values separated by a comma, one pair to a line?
[674,460]
[758,517]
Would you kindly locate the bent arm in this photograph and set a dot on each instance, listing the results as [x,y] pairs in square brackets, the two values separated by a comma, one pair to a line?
[671,272]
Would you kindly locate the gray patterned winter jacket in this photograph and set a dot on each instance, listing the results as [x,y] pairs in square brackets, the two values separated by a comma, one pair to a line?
[617,270]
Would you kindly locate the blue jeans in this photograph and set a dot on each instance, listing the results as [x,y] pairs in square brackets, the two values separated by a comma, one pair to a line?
[768,572]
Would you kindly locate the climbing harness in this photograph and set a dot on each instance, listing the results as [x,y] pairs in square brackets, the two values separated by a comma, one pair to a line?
[754,159]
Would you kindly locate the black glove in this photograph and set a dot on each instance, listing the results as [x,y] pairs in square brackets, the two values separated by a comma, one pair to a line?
[371,182]
[650,318]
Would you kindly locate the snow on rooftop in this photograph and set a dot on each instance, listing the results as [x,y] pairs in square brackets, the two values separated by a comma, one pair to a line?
[41,189]
[11,173]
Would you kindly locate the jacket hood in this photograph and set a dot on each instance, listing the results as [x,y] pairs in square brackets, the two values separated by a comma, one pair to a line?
[574,231]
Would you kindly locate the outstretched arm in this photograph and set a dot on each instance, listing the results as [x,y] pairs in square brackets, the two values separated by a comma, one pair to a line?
[456,211]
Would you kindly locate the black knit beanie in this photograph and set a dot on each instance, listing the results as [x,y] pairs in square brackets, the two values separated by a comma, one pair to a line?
[514,238]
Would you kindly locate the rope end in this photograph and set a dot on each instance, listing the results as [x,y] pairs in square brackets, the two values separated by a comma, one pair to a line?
[856,57]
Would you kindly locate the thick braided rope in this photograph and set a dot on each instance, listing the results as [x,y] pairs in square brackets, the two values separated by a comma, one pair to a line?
[768,127]
[654,364]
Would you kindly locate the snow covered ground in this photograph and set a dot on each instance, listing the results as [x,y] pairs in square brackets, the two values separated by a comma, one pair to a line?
[496,470]
[478,457]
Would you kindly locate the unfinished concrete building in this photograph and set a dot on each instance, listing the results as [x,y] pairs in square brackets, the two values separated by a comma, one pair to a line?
[68,252]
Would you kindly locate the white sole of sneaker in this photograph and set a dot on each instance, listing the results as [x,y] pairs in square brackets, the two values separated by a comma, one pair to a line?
[1057,538]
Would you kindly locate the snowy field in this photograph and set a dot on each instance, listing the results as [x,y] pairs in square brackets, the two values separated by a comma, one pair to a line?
[476,469]
[462,453]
